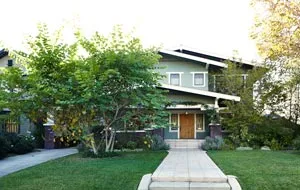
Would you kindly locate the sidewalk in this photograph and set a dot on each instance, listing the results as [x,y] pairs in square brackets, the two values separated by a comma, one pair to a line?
[188,165]
[16,163]
[188,169]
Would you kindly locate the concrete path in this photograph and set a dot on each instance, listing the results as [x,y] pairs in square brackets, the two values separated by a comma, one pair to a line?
[16,163]
[188,165]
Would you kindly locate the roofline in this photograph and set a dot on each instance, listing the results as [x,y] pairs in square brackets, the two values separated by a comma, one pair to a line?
[242,61]
[201,92]
[194,58]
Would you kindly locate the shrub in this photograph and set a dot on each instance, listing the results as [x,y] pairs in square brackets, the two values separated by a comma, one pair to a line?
[273,144]
[131,145]
[278,133]
[158,143]
[12,139]
[23,145]
[123,138]
[296,143]
[228,145]
[213,143]
[4,147]
[147,141]
[88,152]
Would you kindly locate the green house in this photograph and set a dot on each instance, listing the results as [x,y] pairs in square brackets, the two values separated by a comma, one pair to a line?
[192,87]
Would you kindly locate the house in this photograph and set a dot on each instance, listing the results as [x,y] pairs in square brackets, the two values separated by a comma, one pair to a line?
[19,125]
[191,84]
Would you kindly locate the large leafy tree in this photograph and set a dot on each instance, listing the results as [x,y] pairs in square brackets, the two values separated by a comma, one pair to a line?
[103,81]
[118,83]
[277,35]
[237,81]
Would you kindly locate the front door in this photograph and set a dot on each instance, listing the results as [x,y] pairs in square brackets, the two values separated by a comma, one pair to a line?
[187,126]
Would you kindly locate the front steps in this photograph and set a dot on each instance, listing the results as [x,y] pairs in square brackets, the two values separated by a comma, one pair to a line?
[188,186]
[184,143]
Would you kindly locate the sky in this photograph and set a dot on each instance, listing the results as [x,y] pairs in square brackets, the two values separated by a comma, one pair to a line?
[216,26]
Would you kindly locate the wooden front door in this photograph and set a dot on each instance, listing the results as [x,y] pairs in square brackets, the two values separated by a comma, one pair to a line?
[187,126]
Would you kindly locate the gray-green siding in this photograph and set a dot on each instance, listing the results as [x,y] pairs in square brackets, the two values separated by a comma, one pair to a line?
[185,67]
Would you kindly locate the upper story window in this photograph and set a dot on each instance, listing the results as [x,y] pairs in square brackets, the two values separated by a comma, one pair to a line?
[198,79]
[175,79]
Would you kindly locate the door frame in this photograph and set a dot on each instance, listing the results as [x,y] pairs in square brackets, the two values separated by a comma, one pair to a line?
[195,130]
[194,127]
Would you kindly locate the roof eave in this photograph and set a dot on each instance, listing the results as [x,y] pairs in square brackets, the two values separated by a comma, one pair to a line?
[202,92]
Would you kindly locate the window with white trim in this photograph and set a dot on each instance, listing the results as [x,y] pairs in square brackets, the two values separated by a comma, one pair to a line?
[199,122]
[199,79]
[173,123]
[175,79]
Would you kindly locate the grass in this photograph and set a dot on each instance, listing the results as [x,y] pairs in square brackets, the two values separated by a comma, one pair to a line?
[261,169]
[74,172]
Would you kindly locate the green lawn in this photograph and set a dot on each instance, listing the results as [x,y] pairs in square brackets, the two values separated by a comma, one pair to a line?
[261,169]
[74,172]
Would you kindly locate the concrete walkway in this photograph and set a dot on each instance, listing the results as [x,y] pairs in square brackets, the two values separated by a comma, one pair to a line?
[16,163]
[188,165]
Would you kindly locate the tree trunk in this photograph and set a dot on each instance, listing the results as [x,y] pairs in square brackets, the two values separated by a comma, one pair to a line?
[110,146]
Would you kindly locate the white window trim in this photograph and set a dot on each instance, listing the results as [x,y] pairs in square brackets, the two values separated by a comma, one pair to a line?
[169,76]
[170,128]
[204,78]
[203,120]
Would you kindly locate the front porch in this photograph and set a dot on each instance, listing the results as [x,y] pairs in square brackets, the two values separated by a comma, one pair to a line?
[187,124]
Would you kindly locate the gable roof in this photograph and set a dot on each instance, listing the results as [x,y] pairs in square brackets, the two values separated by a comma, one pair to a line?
[201,92]
[3,53]
[206,58]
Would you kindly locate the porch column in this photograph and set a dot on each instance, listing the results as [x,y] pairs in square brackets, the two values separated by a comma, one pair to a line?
[216,105]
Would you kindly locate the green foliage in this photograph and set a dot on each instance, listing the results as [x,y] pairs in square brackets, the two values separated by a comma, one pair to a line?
[212,114]
[87,152]
[147,141]
[228,145]
[277,36]
[23,145]
[213,143]
[158,143]
[4,147]
[296,143]
[273,131]
[131,145]
[247,112]
[17,144]
[104,80]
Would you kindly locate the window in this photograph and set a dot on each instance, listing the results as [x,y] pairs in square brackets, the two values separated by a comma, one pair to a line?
[11,126]
[175,79]
[173,123]
[199,122]
[198,79]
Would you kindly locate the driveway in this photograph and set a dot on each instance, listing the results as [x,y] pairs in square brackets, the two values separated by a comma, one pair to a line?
[16,163]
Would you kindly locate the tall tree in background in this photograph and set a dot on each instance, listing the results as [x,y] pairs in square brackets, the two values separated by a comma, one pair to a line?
[277,35]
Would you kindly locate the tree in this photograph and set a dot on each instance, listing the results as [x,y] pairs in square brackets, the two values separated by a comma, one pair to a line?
[236,81]
[277,36]
[110,83]
[119,83]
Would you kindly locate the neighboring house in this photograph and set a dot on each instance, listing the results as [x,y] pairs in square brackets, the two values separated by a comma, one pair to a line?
[13,125]
[191,86]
